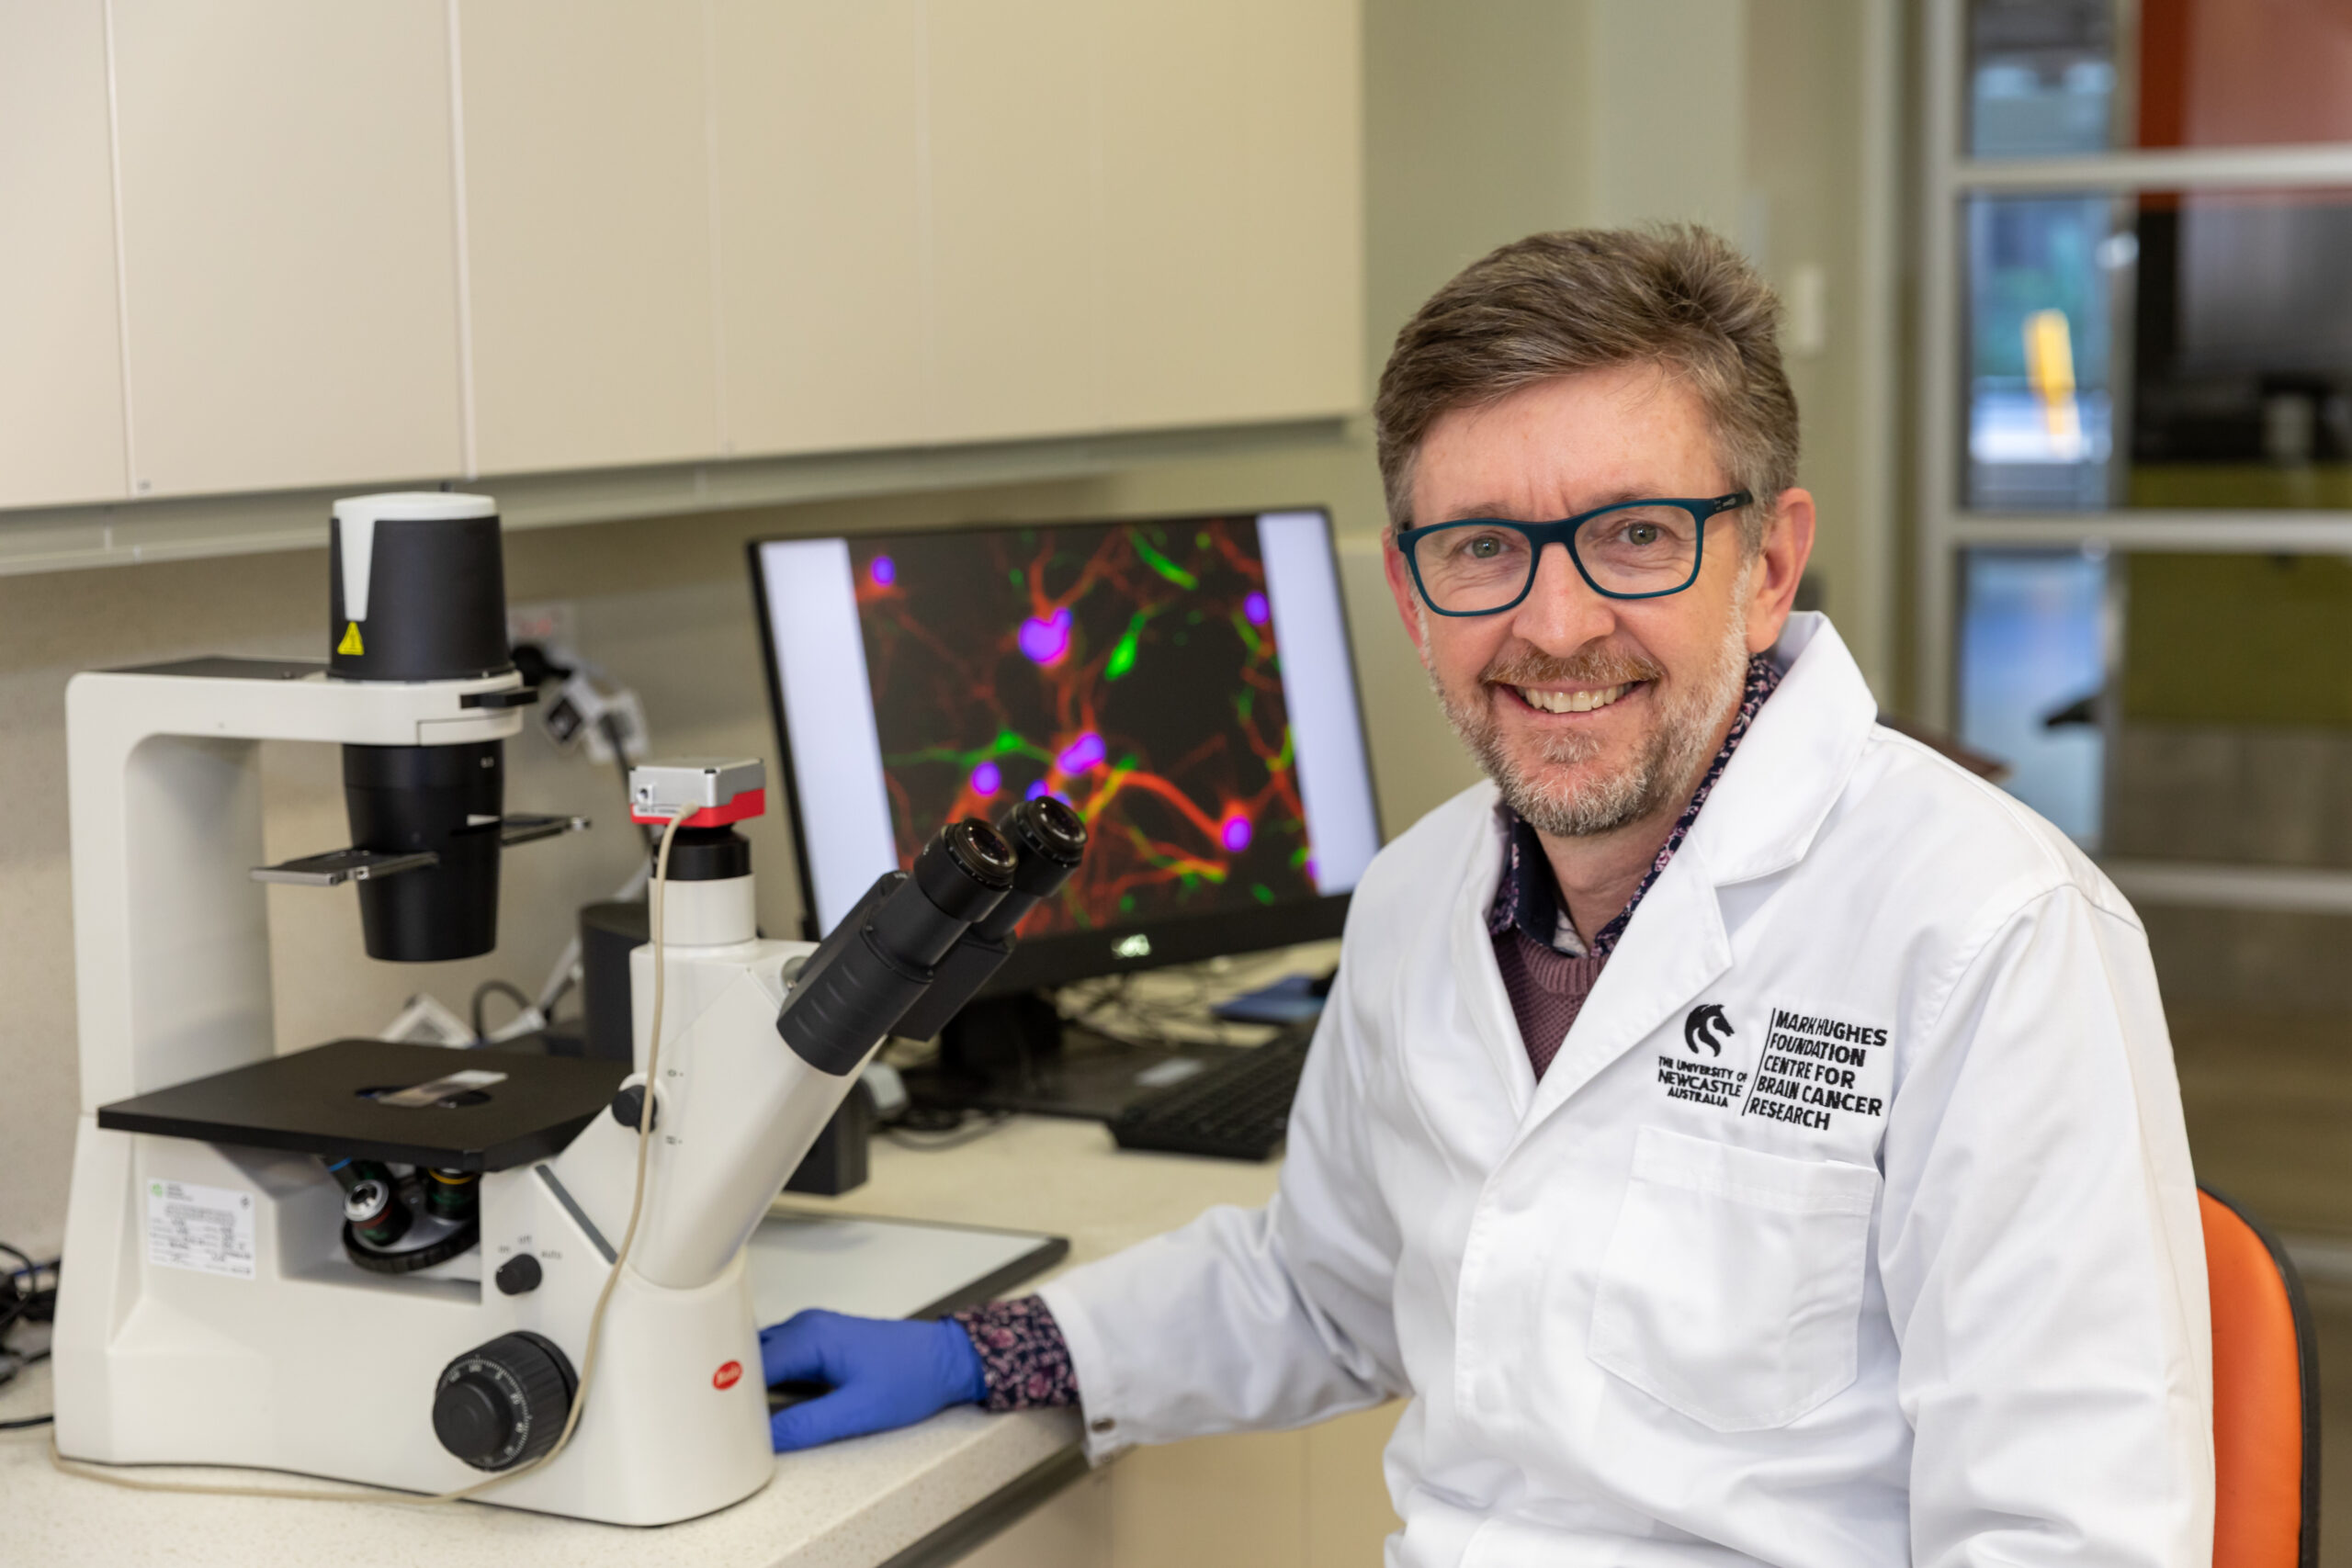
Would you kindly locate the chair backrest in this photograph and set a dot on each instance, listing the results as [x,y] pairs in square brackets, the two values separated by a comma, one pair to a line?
[2266,1397]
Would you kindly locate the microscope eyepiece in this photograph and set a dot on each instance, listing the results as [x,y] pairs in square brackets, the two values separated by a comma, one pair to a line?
[919,946]
[1051,840]
[966,870]
[1046,826]
[881,959]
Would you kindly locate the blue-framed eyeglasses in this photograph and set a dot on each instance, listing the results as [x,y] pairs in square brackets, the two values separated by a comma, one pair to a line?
[1636,549]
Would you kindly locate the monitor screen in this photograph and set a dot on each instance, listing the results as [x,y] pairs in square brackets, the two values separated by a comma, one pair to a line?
[1184,683]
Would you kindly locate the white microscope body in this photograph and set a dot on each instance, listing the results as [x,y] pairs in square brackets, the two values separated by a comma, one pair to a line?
[213,1308]
[259,1342]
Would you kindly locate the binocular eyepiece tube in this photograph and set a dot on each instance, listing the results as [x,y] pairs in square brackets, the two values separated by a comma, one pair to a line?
[900,952]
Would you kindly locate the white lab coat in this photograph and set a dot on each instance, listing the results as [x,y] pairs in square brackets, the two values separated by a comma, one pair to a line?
[1894,1258]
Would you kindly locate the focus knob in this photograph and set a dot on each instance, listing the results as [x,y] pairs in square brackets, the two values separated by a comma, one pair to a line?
[503,1403]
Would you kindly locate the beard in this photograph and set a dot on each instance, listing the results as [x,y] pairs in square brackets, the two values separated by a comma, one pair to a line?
[1665,766]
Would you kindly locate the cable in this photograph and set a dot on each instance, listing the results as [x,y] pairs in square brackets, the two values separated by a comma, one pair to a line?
[644,1152]
[20,1299]
[27,1302]
[18,1361]
[595,1317]
[502,987]
[955,1138]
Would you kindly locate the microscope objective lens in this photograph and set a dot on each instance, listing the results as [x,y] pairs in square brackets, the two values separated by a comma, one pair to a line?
[452,1194]
[376,1214]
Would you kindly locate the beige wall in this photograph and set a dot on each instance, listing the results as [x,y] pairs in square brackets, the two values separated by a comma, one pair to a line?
[1480,127]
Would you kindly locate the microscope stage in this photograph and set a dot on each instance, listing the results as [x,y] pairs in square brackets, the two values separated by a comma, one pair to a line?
[384,1100]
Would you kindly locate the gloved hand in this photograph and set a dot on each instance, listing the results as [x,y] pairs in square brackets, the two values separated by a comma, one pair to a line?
[883,1372]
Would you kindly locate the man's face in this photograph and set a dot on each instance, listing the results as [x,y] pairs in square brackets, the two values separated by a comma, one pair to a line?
[1593,712]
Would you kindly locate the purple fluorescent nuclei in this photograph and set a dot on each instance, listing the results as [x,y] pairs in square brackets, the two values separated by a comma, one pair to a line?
[987,780]
[1047,639]
[883,570]
[1035,792]
[1234,833]
[1256,609]
[1086,751]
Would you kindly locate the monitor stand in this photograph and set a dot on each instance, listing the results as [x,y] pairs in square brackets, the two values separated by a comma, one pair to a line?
[1016,1053]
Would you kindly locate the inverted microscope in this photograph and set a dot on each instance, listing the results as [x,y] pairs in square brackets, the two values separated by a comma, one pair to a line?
[513,1275]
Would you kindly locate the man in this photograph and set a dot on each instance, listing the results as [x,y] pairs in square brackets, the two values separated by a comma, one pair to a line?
[1743,1136]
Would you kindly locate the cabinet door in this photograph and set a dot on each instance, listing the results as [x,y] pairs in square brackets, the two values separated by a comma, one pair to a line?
[588,239]
[289,261]
[61,357]
[1298,313]
[817,180]
[1171,351]
[1230,284]
[1009,89]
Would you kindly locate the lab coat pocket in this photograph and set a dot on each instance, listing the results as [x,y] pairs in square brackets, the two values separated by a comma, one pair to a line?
[1732,1288]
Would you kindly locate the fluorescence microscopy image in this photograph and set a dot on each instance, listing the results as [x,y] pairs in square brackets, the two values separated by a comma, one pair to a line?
[1129,669]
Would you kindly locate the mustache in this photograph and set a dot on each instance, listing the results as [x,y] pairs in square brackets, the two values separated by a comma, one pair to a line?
[1597,666]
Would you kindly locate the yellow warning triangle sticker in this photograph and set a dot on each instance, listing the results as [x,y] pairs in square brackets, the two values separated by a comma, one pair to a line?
[350,643]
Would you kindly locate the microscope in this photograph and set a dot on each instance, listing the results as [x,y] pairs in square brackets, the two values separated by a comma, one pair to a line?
[388,1262]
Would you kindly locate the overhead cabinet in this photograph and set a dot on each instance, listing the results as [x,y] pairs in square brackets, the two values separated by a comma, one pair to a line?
[1012,149]
[1231,210]
[588,233]
[377,244]
[289,243]
[817,161]
[61,358]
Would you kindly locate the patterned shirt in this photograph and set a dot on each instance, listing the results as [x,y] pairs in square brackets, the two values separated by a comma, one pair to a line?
[1548,972]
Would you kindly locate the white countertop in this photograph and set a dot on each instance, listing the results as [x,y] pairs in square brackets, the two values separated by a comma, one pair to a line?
[851,1504]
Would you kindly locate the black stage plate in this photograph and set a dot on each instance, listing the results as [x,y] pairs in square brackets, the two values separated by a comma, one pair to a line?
[314,1103]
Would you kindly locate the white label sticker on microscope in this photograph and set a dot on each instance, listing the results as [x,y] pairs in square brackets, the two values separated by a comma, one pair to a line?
[208,1229]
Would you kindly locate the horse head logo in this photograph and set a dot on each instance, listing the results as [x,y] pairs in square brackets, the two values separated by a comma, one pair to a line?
[1707,1026]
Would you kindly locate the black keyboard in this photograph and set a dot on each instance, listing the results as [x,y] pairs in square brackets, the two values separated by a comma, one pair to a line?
[1237,1110]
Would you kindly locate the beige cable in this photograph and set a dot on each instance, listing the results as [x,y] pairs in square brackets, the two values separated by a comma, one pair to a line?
[595,1318]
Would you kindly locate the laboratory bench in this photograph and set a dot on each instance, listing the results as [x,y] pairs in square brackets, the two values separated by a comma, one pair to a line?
[962,1487]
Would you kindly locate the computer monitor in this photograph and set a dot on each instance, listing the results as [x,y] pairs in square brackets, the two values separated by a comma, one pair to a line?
[1184,682]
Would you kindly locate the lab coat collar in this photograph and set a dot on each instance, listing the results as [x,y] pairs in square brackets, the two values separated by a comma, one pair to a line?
[1793,764]
[1761,817]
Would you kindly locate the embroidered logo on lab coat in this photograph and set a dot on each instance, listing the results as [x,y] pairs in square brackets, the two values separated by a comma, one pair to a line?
[1703,1081]
[1813,1070]
[1699,1029]
[1817,1069]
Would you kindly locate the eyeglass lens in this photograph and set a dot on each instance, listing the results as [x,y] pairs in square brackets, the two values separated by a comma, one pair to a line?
[1468,567]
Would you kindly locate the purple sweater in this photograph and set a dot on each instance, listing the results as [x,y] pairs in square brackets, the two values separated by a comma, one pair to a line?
[1547,972]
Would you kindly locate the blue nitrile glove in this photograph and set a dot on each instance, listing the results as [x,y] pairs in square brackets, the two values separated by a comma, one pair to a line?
[882,1373]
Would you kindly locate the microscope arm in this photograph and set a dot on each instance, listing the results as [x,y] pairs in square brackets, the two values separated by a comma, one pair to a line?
[752,1078]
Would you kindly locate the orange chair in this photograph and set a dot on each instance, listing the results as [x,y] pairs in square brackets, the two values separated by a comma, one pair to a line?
[2266,1397]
